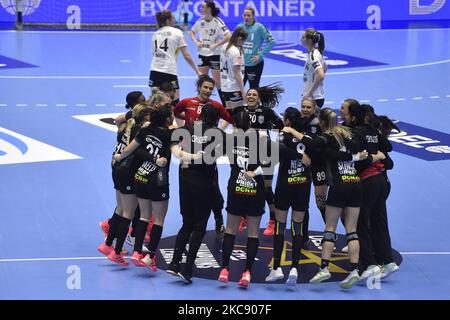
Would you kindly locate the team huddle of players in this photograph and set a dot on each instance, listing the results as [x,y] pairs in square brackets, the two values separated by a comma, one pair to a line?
[346,163]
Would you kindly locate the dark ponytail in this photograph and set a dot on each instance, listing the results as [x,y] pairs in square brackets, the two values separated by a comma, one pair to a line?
[214,10]
[321,42]
[295,118]
[210,115]
[270,95]
[133,99]
[316,37]
[158,117]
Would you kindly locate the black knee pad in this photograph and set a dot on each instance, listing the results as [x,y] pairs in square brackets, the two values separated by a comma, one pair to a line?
[268,194]
[329,236]
[352,236]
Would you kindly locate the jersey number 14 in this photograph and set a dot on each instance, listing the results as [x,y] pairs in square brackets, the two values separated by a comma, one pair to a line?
[164,46]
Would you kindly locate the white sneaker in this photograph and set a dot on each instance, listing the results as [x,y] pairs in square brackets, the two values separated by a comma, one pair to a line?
[292,278]
[345,249]
[351,279]
[322,275]
[372,271]
[389,269]
[275,275]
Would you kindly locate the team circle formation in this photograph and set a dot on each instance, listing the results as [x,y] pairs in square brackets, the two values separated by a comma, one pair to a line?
[346,163]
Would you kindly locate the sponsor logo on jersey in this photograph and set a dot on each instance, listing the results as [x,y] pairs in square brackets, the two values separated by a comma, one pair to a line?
[17,148]
[210,254]
[294,53]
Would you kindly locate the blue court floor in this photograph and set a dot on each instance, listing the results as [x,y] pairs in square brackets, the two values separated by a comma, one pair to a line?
[55,178]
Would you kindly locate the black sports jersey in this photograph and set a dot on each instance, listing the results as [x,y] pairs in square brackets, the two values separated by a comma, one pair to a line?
[154,143]
[262,117]
[339,164]
[292,171]
[370,139]
[244,156]
[201,135]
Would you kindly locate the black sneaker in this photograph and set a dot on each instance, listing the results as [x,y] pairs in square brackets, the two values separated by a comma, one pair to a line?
[186,276]
[173,269]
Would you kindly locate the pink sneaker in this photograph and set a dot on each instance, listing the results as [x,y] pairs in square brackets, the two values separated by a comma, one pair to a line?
[104,225]
[270,229]
[242,224]
[105,249]
[118,258]
[245,279]
[136,258]
[150,263]
[223,277]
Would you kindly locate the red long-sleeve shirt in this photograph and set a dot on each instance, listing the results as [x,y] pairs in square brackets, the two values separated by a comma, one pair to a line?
[192,108]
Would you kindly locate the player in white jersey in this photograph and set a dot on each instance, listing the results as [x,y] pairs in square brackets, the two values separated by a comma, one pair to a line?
[166,42]
[213,34]
[315,67]
[232,70]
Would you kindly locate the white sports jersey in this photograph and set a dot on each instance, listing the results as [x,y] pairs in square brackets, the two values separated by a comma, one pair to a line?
[228,60]
[165,45]
[314,61]
[210,32]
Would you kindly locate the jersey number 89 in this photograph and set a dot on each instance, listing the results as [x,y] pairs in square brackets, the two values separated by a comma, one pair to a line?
[321,176]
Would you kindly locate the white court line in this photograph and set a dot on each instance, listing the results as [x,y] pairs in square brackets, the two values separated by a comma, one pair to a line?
[448,96]
[273,31]
[400,99]
[330,102]
[382,100]
[41,105]
[81,105]
[100,104]
[264,76]
[61,105]
[3,105]
[418,253]
[291,103]
[434,97]
[21,105]
[417,98]
[364,101]
[119,105]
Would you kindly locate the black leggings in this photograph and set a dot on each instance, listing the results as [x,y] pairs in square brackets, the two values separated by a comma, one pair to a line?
[253,75]
[195,205]
[373,231]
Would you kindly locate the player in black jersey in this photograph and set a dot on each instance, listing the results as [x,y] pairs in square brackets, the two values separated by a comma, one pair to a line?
[345,193]
[292,191]
[198,187]
[372,224]
[123,183]
[260,104]
[310,119]
[385,259]
[151,150]
[246,190]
